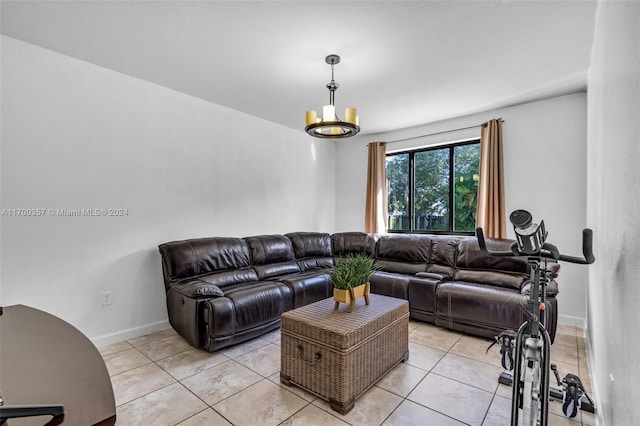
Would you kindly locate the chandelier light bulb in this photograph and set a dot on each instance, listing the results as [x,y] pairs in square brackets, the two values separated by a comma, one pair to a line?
[350,115]
[328,113]
[311,117]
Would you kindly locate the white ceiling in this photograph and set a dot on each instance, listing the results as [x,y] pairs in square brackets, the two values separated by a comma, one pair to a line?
[404,63]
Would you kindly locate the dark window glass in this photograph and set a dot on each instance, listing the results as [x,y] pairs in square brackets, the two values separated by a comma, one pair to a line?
[431,190]
[398,192]
[434,190]
[466,160]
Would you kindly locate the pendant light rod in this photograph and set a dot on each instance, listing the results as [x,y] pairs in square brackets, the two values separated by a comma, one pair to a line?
[332,85]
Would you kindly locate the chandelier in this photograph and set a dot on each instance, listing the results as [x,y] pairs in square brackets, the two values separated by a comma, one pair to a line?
[329,125]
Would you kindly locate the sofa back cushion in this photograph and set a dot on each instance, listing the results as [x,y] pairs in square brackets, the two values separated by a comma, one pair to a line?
[444,251]
[405,248]
[311,249]
[475,266]
[310,244]
[191,258]
[404,254]
[470,256]
[345,243]
[272,255]
[414,253]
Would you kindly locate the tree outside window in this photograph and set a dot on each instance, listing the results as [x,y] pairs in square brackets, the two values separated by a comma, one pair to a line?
[397,168]
[434,190]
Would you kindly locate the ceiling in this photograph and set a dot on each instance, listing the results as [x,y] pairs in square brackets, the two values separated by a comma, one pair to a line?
[404,63]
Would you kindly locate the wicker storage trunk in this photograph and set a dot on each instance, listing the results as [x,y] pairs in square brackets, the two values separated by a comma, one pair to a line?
[338,355]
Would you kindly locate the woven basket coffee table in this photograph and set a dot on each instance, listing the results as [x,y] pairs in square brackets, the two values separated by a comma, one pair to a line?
[336,354]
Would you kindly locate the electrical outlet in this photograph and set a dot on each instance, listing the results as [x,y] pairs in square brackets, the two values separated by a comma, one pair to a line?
[106,298]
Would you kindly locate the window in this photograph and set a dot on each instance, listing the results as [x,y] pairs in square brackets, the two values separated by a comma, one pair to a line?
[434,190]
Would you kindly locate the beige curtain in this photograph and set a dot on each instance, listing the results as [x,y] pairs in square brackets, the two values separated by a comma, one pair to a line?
[490,214]
[375,216]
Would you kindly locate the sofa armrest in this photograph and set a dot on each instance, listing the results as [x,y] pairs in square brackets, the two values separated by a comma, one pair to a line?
[196,288]
[433,276]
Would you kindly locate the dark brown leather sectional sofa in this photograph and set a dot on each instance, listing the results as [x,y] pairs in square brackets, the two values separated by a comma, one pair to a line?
[222,291]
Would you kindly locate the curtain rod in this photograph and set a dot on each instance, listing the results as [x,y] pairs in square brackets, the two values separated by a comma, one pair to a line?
[439,133]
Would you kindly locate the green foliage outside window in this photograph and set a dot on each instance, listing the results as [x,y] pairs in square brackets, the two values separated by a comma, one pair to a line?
[431,190]
[441,176]
[398,191]
[467,163]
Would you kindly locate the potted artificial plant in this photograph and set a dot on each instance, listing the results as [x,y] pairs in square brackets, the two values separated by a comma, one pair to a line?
[350,277]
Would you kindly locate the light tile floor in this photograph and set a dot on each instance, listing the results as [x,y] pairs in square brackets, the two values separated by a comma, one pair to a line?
[449,379]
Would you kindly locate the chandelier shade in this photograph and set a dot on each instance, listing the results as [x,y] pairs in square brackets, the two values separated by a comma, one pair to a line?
[329,125]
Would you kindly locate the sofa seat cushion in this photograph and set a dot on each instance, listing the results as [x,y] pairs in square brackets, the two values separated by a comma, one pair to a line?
[482,308]
[393,285]
[247,306]
[308,287]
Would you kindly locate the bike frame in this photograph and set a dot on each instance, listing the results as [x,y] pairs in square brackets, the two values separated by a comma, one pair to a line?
[532,328]
[533,344]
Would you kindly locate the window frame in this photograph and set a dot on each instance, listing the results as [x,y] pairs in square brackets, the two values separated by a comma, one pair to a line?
[451,211]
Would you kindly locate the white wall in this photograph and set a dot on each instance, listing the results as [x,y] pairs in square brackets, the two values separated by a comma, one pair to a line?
[545,168]
[76,136]
[613,202]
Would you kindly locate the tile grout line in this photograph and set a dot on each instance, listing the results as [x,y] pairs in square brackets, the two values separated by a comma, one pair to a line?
[406,398]
[447,352]
[308,403]
[179,381]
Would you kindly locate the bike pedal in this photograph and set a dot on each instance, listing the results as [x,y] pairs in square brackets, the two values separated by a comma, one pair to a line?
[505,379]
[555,394]
[585,405]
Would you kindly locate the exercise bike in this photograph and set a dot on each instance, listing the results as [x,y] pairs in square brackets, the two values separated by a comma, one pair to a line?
[531,343]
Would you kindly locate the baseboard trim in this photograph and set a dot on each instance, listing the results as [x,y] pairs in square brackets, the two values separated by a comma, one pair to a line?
[571,320]
[119,336]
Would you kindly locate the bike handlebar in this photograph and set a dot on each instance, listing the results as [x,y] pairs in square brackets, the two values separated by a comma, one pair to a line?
[548,250]
[587,250]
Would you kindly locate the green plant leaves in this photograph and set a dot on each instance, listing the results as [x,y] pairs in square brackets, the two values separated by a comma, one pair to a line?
[352,271]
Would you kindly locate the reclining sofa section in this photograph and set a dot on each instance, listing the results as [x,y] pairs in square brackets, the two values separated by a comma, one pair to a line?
[222,291]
